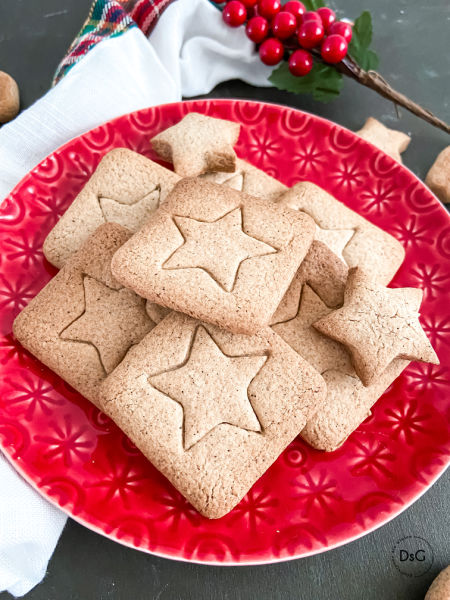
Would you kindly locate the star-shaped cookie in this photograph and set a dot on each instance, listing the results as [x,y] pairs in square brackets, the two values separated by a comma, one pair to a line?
[438,177]
[112,321]
[378,324]
[201,384]
[390,141]
[218,247]
[198,144]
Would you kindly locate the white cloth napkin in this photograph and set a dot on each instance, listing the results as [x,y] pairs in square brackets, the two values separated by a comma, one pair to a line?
[29,530]
[188,53]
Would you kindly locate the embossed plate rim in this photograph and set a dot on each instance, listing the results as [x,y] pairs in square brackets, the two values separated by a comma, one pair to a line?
[212,563]
[176,554]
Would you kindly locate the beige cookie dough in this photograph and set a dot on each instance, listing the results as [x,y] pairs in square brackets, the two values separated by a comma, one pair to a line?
[390,141]
[377,325]
[212,410]
[438,177]
[216,254]
[83,322]
[125,188]
[198,144]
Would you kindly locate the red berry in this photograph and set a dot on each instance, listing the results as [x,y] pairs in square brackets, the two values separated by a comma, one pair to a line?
[234,13]
[284,25]
[341,28]
[311,16]
[327,15]
[334,48]
[300,63]
[268,8]
[218,1]
[249,3]
[296,8]
[257,29]
[271,51]
[310,34]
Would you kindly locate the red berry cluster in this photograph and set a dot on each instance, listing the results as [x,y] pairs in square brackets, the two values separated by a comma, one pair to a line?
[290,28]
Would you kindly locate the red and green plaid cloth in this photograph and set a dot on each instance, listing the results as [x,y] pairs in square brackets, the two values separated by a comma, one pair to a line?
[107,19]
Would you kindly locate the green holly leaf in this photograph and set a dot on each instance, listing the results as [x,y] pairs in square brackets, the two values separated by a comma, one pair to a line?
[359,46]
[323,81]
[313,4]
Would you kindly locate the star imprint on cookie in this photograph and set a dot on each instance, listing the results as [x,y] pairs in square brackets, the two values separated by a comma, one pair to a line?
[233,180]
[217,247]
[319,350]
[335,239]
[112,321]
[211,387]
[129,215]
[378,324]
[198,144]
[390,141]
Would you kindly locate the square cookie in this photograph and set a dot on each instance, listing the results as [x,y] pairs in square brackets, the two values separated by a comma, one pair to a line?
[216,254]
[317,289]
[351,237]
[125,188]
[347,404]
[212,410]
[83,322]
[250,180]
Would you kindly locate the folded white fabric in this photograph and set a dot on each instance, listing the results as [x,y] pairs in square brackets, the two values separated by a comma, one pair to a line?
[187,54]
[29,529]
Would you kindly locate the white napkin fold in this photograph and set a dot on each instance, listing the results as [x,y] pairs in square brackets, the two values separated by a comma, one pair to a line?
[29,530]
[188,53]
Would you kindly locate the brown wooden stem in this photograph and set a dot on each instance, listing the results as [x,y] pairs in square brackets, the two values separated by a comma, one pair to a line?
[375,81]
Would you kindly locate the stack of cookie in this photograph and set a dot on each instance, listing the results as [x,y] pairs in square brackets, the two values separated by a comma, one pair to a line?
[215,314]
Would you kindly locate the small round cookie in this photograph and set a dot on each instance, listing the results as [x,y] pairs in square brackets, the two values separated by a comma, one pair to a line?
[440,588]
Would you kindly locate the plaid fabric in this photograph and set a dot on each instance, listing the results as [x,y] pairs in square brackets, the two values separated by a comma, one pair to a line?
[107,19]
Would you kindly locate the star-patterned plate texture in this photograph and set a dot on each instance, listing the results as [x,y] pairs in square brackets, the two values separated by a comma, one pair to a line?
[308,501]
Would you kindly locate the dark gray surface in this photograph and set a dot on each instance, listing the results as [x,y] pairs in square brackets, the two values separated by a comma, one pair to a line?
[34,36]
[411,39]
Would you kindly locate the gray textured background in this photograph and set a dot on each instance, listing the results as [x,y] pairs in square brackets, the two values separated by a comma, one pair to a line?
[411,37]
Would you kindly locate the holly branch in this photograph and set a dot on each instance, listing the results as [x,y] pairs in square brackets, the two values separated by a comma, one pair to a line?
[376,82]
[312,61]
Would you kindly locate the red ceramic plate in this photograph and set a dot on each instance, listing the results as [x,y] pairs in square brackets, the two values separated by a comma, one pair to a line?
[308,501]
